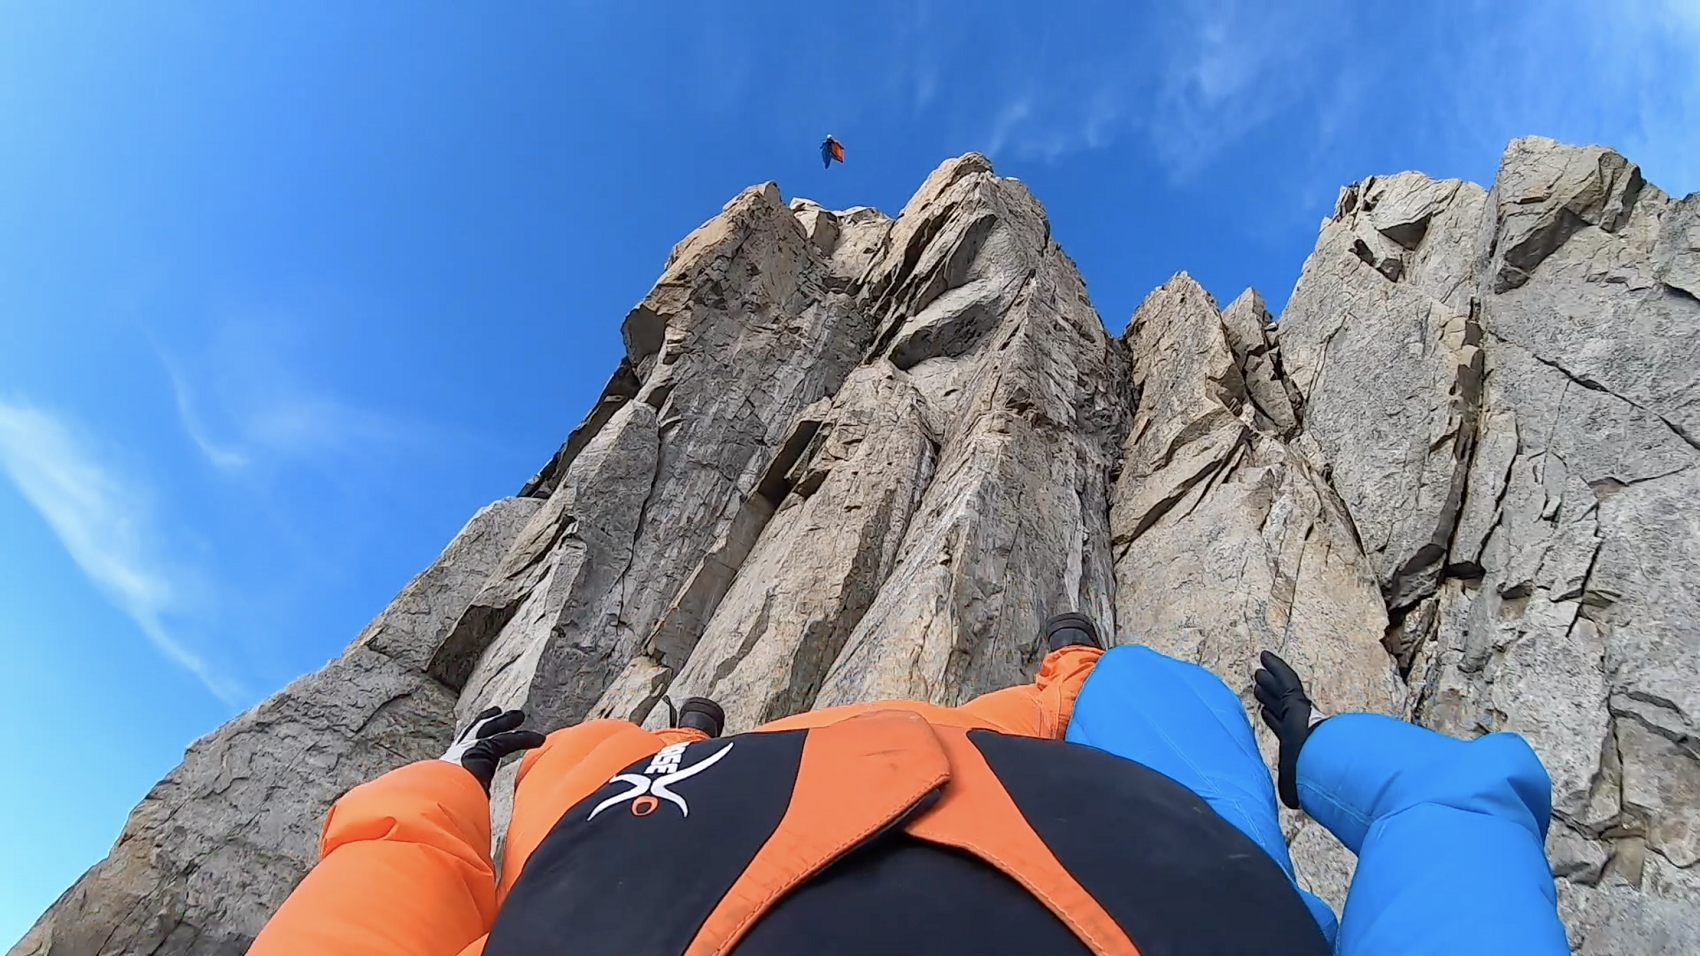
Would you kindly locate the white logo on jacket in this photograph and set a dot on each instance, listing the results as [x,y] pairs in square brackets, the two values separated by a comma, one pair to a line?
[648,790]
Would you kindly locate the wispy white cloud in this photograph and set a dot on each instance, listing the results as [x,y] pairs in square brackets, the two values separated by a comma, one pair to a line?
[1192,82]
[252,406]
[223,458]
[1185,82]
[1228,67]
[1049,132]
[105,522]
[1008,120]
[1047,121]
[1624,74]
[926,86]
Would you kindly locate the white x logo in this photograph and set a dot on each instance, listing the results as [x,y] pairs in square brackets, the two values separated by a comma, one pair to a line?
[657,786]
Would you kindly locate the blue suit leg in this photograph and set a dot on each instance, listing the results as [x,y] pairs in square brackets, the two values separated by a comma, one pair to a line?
[1182,721]
[1450,837]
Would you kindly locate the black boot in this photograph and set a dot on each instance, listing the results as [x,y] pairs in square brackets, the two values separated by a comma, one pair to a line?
[1071,629]
[700,713]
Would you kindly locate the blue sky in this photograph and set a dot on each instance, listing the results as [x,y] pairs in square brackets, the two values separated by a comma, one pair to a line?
[287,291]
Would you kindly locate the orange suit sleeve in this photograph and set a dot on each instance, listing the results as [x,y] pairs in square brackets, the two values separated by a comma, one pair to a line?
[404,870]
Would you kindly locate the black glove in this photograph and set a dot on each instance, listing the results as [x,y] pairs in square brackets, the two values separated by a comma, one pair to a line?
[494,734]
[1287,711]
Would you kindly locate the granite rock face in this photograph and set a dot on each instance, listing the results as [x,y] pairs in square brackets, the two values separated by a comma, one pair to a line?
[850,457]
[1522,475]
[915,527]
[648,523]
[1388,364]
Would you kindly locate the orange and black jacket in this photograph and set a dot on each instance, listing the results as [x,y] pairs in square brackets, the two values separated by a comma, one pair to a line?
[891,828]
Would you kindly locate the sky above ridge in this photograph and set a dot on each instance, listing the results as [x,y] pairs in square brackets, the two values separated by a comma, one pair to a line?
[288,291]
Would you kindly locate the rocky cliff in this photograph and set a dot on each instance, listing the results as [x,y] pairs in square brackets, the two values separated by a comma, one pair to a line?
[849,457]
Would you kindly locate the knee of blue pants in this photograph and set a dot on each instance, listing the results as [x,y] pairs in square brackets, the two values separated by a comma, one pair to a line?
[1182,721]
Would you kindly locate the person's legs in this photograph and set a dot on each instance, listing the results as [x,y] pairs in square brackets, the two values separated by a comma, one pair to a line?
[680,735]
[1039,709]
[1044,707]
[1182,721]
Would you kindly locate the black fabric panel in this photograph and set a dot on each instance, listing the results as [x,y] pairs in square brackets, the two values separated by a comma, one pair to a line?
[635,886]
[900,895]
[1179,879]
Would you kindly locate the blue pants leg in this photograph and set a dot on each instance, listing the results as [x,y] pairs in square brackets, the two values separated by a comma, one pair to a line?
[1182,721]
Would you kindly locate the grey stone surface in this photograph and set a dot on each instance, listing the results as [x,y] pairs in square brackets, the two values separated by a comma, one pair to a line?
[1601,312]
[912,533]
[1249,328]
[747,325]
[851,240]
[1026,394]
[832,542]
[1545,193]
[953,493]
[565,562]
[1651,913]
[1246,548]
[1390,375]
